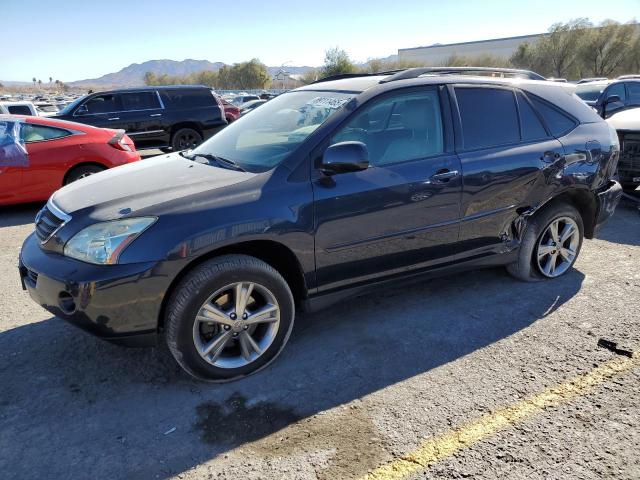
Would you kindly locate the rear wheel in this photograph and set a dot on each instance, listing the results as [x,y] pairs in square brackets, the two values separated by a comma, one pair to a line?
[550,245]
[185,139]
[81,172]
[229,318]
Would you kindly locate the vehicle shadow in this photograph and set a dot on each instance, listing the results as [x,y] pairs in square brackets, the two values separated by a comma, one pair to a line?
[624,226]
[71,404]
[14,216]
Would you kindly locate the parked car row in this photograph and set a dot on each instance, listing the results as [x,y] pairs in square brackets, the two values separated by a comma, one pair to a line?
[320,194]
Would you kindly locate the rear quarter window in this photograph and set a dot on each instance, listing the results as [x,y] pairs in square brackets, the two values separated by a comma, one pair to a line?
[19,109]
[190,98]
[558,122]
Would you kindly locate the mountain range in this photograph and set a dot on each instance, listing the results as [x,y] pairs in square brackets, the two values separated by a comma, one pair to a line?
[133,75]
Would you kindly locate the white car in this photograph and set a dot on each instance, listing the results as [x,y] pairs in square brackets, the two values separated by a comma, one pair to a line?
[18,108]
[618,102]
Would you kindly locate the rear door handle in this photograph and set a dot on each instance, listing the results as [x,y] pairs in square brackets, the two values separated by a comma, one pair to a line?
[114,118]
[155,115]
[444,175]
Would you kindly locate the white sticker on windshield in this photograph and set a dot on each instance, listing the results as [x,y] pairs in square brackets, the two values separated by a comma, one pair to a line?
[328,102]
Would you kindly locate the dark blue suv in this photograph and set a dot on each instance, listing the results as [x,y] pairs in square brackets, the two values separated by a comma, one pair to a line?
[320,194]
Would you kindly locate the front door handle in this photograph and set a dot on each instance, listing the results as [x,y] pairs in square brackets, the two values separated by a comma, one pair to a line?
[444,175]
[114,118]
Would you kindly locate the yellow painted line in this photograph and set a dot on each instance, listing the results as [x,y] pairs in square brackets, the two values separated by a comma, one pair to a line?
[437,448]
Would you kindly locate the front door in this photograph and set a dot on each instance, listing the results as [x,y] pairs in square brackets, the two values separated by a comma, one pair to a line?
[13,160]
[402,212]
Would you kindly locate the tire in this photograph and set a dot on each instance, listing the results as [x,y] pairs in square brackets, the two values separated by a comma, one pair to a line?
[214,284]
[229,120]
[537,249]
[81,172]
[184,139]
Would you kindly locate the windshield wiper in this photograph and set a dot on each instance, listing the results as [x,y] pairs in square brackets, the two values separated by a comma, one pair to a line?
[214,158]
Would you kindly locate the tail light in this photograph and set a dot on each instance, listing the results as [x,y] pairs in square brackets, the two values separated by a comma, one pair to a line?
[219,102]
[119,141]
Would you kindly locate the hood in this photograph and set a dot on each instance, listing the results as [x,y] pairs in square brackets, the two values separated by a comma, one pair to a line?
[143,184]
[626,120]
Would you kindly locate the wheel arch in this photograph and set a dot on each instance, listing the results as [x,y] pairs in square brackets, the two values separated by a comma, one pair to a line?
[582,200]
[75,166]
[275,254]
[193,125]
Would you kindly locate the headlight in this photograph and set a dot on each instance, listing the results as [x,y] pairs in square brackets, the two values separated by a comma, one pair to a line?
[102,243]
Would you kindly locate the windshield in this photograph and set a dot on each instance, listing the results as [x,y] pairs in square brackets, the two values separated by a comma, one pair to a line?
[589,92]
[260,141]
[66,110]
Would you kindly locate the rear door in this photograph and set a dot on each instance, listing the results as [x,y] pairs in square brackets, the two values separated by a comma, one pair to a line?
[142,117]
[504,149]
[400,214]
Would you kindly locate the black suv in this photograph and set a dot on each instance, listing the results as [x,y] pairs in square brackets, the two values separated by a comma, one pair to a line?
[320,194]
[174,117]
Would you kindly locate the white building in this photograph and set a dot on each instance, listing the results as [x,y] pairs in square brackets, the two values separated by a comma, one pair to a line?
[439,53]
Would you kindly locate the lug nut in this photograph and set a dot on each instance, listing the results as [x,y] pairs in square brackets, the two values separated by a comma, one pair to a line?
[235,334]
[245,316]
[227,327]
[233,316]
[245,327]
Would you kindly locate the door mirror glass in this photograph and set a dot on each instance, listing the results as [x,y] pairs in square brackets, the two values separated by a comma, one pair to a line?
[345,157]
[82,110]
[612,99]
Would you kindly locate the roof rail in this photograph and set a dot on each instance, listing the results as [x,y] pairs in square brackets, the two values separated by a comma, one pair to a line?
[502,72]
[354,75]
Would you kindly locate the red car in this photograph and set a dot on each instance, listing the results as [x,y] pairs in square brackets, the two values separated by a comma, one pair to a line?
[38,155]
[231,111]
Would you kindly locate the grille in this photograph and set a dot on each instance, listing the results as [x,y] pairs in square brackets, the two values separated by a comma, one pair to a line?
[629,163]
[47,223]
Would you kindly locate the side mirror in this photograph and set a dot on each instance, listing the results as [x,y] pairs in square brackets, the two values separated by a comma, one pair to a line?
[612,99]
[345,157]
[82,110]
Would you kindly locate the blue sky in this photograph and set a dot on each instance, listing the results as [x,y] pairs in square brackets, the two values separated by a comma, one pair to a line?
[72,40]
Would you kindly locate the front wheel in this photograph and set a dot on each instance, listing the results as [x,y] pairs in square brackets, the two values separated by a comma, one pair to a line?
[229,318]
[550,244]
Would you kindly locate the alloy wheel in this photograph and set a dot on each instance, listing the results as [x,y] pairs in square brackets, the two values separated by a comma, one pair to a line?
[236,325]
[558,247]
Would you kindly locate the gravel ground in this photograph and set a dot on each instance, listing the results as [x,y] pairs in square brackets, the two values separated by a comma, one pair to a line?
[357,386]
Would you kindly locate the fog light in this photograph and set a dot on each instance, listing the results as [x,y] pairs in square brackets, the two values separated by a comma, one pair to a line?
[66,303]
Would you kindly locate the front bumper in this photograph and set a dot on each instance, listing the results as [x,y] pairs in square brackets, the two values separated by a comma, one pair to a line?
[120,303]
[607,201]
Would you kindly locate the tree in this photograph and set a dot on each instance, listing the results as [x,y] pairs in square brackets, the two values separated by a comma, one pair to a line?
[50,80]
[250,75]
[606,48]
[39,83]
[34,82]
[309,76]
[150,78]
[336,62]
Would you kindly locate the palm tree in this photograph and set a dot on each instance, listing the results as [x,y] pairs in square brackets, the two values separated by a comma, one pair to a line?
[34,81]
[50,81]
[40,84]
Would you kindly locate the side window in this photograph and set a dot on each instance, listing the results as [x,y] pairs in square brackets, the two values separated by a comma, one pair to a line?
[139,101]
[489,117]
[38,133]
[19,109]
[180,98]
[530,126]
[107,103]
[559,123]
[415,133]
[616,89]
[633,90]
